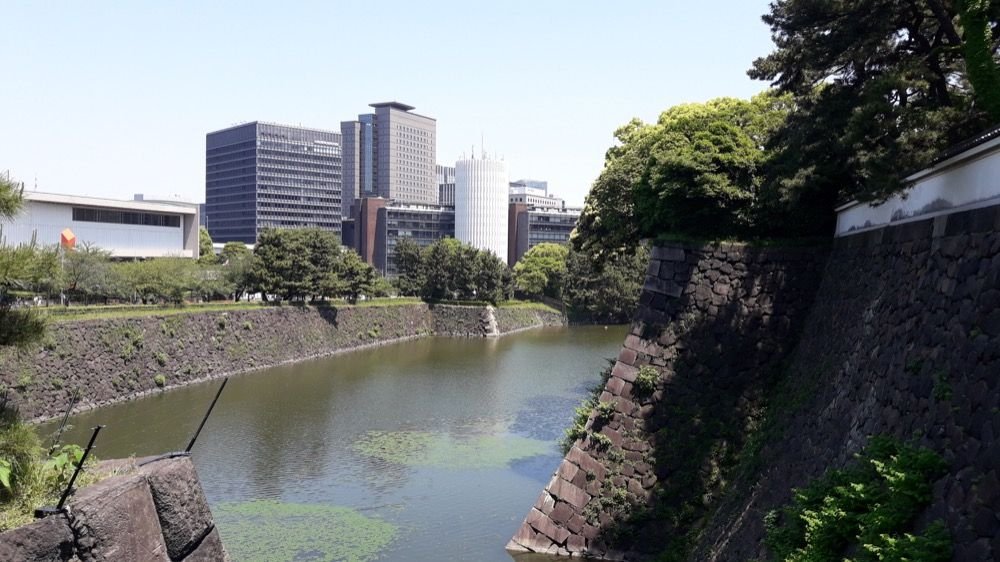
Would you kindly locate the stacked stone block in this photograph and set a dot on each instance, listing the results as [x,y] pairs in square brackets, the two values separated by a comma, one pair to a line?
[712,320]
[904,340]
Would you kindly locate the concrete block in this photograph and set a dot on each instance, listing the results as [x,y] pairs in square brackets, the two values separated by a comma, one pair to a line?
[210,549]
[180,504]
[45,540]
[118,514]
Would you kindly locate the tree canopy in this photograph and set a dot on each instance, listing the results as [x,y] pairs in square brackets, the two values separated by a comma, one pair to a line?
[605,290]
[541,271]
[699,171]
[206,251]
[450,270]
[880,88]
[20,267]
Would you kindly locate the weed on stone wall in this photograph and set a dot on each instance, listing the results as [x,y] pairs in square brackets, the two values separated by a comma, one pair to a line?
[582,412]
[867,509]
[124,339]
[645,382]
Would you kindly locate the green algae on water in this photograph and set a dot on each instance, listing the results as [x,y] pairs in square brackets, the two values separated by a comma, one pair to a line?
[266,530]
[425,448]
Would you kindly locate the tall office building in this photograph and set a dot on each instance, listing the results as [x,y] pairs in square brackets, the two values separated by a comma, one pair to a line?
[263,175]
[390,153]
[481,204]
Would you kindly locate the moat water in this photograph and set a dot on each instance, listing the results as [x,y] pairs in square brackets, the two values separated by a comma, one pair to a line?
[426,450]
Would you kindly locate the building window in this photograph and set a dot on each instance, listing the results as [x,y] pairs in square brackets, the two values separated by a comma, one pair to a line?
[112,216]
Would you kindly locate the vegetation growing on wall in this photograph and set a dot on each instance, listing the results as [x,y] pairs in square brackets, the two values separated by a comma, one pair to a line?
[865,511]
[582,413]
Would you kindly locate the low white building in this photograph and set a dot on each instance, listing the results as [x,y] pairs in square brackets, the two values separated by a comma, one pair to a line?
[128,229]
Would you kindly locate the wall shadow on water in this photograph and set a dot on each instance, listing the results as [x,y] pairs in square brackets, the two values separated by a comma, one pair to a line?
[716,322]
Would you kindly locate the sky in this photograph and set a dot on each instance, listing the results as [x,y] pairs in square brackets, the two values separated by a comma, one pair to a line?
[114,98]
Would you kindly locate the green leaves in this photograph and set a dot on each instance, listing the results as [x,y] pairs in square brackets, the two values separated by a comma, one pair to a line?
[880,89]
[5,469]
[605,290]
[868,508]
[698,171]
[542,270]
[206,251]
[63,461]
[451,270]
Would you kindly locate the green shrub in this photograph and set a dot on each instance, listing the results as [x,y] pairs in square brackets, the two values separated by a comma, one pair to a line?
[160,380]
[161,358]
[645,382]
[582,412]
[601,441]
[24,380]
[19,450]
[604,412]
[248,325]
[942,388]
[868,509]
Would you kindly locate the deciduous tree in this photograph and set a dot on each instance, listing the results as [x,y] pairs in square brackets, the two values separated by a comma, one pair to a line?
[542,270]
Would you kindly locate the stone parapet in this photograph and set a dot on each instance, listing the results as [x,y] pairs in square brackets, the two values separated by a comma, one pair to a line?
[156,512]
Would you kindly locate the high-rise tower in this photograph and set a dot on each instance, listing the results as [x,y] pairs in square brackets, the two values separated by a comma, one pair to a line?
[390,153]
[263,175]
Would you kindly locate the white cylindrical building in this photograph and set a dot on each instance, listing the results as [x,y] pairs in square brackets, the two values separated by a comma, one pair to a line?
[481,200]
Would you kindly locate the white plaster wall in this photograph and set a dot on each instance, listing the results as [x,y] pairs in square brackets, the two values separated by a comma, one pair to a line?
[967,181]
[47,220]
[481,191]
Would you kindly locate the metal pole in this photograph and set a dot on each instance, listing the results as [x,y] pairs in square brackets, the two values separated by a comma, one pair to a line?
[58,436]
[46,511]
[208,413]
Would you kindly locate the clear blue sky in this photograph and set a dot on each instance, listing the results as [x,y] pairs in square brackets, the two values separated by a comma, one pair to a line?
[110,99]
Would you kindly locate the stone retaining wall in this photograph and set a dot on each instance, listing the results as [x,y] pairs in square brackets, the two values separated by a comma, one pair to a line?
[513,319]
[713,321]
[155,512]
[904,340]
[107,361]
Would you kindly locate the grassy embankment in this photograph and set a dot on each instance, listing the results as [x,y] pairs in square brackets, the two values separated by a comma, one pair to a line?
[102,312]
